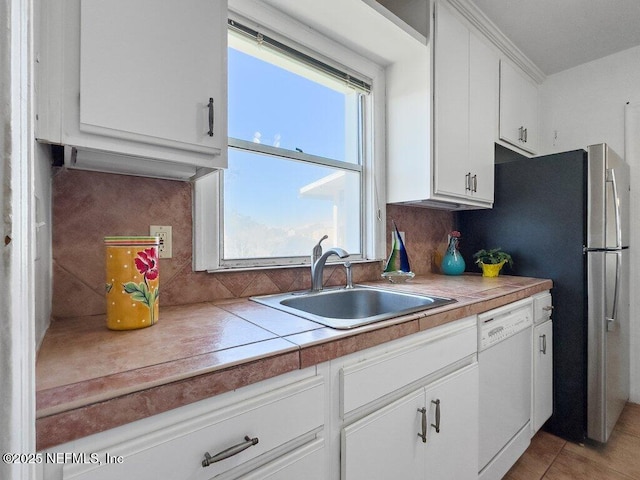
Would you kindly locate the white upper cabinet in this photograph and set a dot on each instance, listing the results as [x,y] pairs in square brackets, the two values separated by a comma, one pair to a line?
[448,106]
[443,124]
[135,87]
[466,109]
[518,109]
[483,117]
[451,104]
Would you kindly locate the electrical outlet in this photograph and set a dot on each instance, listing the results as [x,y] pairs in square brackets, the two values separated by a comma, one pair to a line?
[164,233]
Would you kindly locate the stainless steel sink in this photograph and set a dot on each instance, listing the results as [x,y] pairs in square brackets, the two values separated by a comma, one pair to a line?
[345,308]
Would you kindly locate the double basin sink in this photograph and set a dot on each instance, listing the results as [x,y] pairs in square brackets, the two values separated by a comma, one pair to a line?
[346,308]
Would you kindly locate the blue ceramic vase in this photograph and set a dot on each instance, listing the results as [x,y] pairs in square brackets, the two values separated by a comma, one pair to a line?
[452,262]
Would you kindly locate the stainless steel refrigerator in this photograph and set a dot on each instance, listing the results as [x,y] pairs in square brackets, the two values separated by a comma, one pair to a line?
[566,217]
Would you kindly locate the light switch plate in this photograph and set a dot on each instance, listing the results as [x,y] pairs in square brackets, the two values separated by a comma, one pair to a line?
[164,233]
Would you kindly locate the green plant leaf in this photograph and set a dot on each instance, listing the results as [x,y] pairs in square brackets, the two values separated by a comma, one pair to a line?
[492,257]
[139,292]
[153,296]
[130,287]
[139,297]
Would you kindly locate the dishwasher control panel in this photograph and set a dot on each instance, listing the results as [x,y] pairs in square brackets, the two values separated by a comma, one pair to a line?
[502,323]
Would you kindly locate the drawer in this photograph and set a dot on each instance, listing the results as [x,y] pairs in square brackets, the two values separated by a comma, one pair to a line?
[542,307]
[274,418]
[306,463]
[433,350]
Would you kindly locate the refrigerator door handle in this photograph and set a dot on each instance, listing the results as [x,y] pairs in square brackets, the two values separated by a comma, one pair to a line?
[616,293]
[611,177]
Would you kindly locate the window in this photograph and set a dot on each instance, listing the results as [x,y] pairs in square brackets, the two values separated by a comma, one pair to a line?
[300,156]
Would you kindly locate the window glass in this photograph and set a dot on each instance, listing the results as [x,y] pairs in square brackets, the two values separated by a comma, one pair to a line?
[273,106]
[294,172]
[298,203]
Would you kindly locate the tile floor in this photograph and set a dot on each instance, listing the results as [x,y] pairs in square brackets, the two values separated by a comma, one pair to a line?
[552,458]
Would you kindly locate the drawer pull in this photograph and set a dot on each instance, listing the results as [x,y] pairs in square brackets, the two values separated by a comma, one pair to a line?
[548,308]
[423,435]
[437,424]
[229,452]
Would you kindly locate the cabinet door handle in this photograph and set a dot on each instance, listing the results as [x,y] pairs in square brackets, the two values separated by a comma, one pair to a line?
[522,134]
[437,424]
[467,182]
[210,105]
[526,134]
[229,452]
[423,435]
[543,344]
[475,183]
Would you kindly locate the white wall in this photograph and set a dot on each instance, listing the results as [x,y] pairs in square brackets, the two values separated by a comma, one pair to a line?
[585,105]
[17,352]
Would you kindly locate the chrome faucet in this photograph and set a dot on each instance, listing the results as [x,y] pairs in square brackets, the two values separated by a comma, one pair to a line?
[318,260]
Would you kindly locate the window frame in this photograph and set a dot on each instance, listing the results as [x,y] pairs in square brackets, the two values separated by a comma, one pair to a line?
[208,202]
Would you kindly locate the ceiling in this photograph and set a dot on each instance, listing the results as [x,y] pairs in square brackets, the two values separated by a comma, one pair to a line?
[560,34]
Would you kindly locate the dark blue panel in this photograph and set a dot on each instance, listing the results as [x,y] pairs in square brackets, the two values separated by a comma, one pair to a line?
[539,217]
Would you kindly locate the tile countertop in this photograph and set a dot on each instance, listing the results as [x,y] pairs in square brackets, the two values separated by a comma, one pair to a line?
[90,379]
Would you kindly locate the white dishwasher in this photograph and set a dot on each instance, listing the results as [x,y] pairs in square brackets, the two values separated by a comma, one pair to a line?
[504,361]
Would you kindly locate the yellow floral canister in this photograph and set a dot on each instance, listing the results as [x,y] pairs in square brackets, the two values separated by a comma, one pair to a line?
[132,282]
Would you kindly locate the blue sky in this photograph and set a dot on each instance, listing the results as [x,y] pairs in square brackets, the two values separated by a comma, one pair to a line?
[265,98]
[290,109]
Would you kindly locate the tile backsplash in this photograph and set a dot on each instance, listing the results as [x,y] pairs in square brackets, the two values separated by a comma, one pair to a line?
[87,206]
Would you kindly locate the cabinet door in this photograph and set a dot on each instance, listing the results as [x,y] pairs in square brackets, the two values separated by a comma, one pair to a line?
[451,103]
[452,443]
[148,70]
[542,388]
[518,109]
[385,444]
[483,116]
[388,443]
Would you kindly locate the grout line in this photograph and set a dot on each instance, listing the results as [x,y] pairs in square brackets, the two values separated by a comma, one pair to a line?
[554,460]
[606,466]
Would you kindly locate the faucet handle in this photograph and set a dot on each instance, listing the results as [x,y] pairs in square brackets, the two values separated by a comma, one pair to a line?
[347,266]
[317,250]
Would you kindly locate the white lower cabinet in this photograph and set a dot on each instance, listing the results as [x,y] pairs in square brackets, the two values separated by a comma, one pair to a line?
[542,374]
[542,348]
[385,444]
[430,433]
[273,434]
[406,409]
[409,409]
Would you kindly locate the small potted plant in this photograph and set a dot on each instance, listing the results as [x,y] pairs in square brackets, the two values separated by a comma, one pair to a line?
[491,261]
